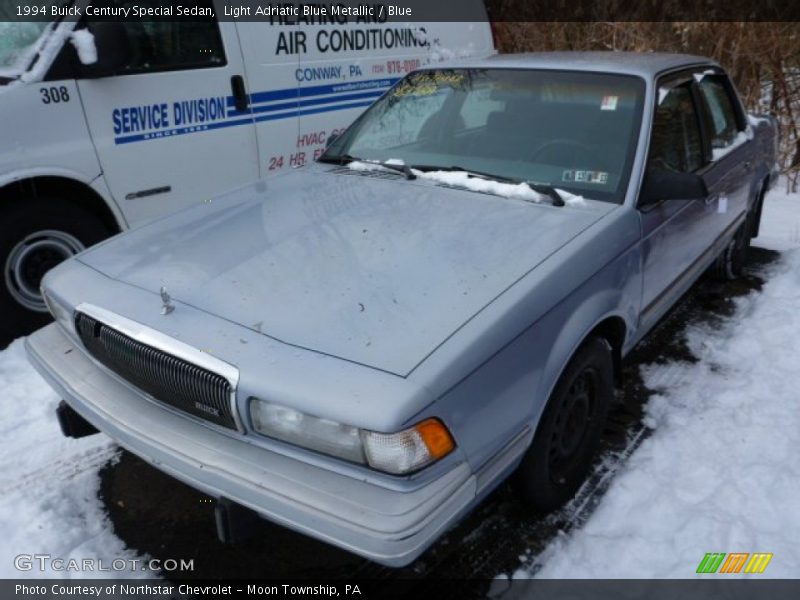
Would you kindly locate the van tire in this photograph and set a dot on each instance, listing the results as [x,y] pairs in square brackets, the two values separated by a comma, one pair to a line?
[566,441]
[35,235]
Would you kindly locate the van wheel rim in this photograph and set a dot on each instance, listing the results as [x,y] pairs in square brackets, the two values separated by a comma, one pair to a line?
[31,258]
[572,425]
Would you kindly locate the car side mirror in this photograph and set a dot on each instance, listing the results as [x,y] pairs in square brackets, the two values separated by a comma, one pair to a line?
[661,184]
[113,50]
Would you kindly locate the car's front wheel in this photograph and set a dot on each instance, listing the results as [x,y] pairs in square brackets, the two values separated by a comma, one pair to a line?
[559,459]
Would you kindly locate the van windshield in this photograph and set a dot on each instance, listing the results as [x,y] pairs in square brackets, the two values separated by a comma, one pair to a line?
[18,46]
[570,130]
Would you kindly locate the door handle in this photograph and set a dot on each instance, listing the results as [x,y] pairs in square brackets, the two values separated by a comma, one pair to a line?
[711,199]
[240,98]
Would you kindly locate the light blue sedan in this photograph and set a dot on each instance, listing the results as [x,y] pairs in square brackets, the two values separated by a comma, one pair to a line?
[363,348]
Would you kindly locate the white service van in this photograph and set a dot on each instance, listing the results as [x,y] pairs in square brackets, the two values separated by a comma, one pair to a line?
[101,132]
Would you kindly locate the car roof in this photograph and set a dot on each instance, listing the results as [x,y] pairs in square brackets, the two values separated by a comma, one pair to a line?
[643,64]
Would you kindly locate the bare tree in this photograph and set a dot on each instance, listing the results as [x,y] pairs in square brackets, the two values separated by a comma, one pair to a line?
[762,58]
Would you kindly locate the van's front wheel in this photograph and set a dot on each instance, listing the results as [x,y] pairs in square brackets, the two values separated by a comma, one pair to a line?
[35,236]
[568,435]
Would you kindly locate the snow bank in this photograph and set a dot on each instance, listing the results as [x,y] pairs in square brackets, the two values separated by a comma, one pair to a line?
[720,471]
[48,483]
[780,220]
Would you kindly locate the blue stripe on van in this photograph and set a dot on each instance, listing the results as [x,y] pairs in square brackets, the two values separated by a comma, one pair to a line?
[313,111]
[315,101]
[318,90]
[343,93]
[222,124]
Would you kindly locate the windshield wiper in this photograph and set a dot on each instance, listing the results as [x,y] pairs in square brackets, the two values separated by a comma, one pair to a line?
[545,190]
[402,167]
[337,160]
[345,159]
[470,172]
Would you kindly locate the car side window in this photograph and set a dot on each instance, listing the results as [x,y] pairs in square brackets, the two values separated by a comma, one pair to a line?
[721,119]
[171,45]
[676,143]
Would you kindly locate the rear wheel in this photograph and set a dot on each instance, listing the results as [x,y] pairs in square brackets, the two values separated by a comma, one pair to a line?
[568,435]
[36,235]
[730,263]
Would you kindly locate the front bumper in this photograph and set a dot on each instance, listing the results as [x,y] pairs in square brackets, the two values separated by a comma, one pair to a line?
[390,526]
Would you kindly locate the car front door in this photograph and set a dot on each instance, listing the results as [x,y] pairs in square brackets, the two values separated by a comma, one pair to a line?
[676,231]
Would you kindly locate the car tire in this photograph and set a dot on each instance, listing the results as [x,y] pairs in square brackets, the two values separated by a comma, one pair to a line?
[729,265]
[568,435]
[35,235]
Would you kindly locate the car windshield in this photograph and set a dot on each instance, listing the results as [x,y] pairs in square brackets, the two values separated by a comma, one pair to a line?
[17,44]
[575,131]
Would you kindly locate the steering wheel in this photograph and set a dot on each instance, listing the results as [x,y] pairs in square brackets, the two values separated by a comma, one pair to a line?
[586,152]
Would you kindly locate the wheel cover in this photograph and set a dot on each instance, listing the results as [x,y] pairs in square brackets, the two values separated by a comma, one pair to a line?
[572,425]
[31,258]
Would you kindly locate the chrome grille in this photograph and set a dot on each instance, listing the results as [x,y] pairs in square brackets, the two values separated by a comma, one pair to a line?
[166,378]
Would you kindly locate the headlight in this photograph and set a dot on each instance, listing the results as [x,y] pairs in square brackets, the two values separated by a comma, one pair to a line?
[396,453]
[61,312]
[322,435]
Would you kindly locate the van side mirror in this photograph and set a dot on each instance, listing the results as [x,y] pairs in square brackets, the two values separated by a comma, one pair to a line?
[661,184]
[113,50]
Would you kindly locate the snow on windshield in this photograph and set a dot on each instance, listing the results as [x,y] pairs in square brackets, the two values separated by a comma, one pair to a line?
[518,191]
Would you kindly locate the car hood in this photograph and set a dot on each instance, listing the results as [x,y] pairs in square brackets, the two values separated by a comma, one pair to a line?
[371,270]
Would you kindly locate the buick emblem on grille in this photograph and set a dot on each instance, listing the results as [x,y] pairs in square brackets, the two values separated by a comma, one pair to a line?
[166,302]
[206,408]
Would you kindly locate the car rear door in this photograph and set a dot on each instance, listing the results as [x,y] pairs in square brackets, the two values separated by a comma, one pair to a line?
[730,170]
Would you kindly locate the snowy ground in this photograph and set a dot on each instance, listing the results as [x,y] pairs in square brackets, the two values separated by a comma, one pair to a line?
[48,483]
[719,473]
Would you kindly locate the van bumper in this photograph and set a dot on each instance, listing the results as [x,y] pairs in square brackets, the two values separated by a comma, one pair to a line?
[391,526]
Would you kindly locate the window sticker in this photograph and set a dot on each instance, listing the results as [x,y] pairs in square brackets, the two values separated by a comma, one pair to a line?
[609,103]
[578,176]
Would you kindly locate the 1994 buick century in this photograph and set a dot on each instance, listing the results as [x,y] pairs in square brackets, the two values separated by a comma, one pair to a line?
[363,348]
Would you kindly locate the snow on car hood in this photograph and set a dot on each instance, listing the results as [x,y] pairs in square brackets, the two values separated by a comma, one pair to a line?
[373,270]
